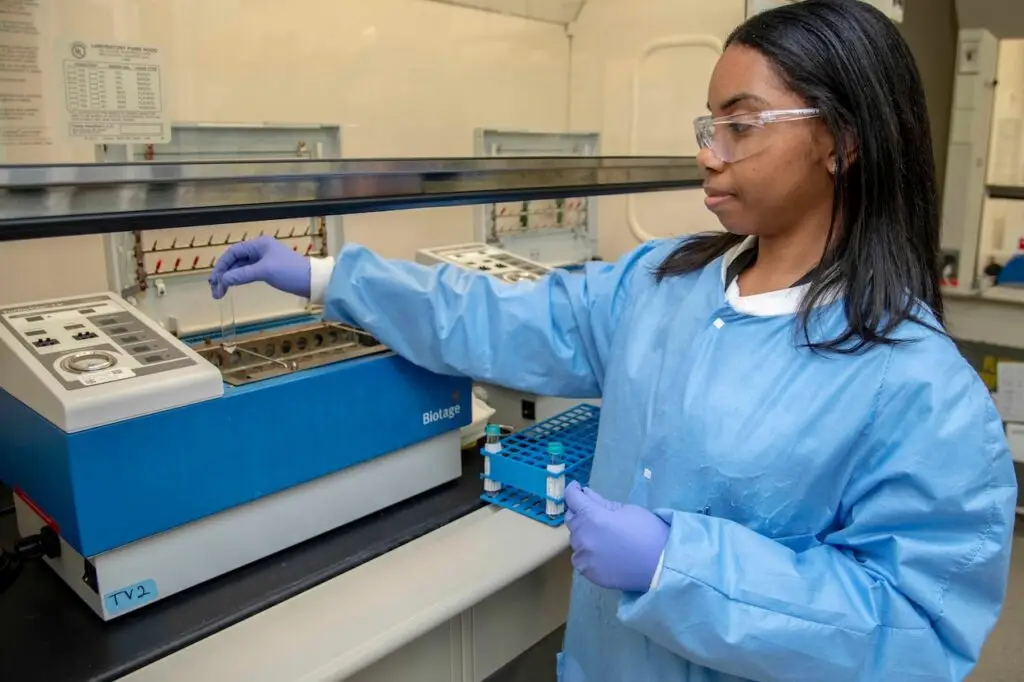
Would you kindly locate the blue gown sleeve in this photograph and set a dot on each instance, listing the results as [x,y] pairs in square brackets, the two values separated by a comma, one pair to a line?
[906,589]
[550,337]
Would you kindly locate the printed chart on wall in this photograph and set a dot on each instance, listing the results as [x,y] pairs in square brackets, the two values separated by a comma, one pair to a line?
[22,116]
[114,93]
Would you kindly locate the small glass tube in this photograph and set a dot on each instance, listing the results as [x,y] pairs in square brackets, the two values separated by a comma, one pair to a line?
[227,322]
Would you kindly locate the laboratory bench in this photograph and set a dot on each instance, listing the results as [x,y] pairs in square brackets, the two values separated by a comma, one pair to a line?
[440,587]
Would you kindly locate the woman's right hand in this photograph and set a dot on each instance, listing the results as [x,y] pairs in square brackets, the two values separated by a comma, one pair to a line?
[264,259]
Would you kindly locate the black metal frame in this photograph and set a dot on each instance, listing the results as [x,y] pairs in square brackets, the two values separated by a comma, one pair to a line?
[38,201]
[1005,192]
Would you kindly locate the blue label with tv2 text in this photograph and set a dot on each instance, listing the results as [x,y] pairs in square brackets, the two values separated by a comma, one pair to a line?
[130,597]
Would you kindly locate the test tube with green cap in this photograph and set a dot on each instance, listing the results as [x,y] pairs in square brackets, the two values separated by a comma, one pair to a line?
[492,446]
[556,479]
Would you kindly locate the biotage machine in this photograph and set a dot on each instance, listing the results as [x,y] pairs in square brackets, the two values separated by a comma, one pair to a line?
[140,449]
[154,447]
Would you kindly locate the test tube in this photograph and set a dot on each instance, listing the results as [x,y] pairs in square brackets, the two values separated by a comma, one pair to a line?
[227,323]
[556,479]
[492,446]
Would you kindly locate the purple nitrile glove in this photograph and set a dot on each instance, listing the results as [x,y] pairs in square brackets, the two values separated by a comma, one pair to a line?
[264,259]
[616,546]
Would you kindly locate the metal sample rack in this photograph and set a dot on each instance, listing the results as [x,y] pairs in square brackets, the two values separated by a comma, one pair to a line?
[506,266]
[266,354]
[38,201]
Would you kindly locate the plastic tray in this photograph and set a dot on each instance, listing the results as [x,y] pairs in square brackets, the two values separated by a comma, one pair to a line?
[521,467]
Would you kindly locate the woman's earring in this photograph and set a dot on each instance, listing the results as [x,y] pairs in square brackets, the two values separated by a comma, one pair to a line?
[832,168]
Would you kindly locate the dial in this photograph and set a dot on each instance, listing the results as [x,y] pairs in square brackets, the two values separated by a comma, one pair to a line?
[88,361]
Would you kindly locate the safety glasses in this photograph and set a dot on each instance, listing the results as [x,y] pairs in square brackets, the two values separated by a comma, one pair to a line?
[734,138]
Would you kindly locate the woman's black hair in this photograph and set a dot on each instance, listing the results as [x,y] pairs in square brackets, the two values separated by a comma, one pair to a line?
[847,59]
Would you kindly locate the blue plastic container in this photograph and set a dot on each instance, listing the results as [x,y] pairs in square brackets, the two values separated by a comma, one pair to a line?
[521,467]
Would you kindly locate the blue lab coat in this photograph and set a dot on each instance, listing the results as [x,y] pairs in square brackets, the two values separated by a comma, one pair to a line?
[833,518]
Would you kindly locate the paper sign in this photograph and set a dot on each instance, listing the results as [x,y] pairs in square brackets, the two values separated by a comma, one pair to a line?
[1010,394]
[128,598]
[1015,439]
[114,93]
[22,116]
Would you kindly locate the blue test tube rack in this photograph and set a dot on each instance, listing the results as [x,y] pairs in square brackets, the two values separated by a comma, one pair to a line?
[521,468]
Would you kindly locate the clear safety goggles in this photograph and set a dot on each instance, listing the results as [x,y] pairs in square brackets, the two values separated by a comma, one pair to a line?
[734,138]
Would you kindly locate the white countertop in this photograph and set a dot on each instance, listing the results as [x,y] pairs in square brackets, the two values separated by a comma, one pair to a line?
[345,624]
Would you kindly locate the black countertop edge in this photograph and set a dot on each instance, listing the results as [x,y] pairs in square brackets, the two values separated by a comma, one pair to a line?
[47,634]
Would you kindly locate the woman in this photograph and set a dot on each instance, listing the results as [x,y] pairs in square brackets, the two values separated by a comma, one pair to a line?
[798,477]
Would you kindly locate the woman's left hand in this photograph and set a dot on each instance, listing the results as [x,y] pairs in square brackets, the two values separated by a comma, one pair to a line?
[616,546]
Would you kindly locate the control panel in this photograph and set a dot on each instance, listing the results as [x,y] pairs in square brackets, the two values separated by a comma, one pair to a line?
[86,361]
[89,344]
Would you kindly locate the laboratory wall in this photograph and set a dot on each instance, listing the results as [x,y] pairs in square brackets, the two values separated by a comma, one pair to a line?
[1004,18]
[401,78]
[635,84]
[930,28]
